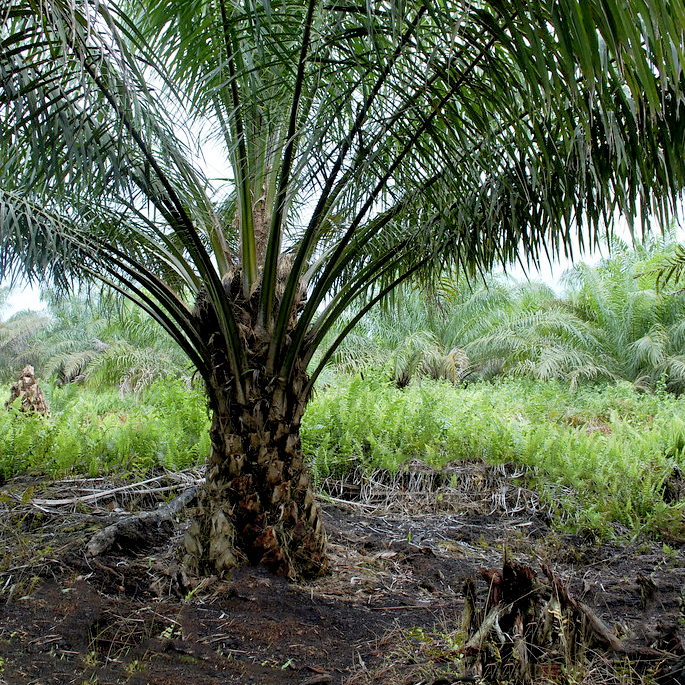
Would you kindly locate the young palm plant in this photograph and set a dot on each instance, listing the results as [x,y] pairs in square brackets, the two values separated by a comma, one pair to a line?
[532,332]
[365,144]
[405,339]
[102,344]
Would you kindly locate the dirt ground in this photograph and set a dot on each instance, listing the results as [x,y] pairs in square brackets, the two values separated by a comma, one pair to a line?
[389,611]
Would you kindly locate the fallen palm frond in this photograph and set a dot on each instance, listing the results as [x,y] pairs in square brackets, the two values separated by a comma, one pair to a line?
[141,531]
[176,481]
[467,486]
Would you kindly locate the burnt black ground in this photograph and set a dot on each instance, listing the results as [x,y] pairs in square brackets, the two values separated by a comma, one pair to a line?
[135,619]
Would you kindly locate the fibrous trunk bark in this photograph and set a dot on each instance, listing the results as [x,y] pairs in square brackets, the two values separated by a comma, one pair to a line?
[257,505]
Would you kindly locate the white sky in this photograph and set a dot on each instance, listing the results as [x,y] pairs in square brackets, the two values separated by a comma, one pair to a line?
[23,298]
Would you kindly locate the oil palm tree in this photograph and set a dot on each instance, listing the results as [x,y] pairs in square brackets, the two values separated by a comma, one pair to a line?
[407,338]
[94,340]
[476,330]
[365,144]
[526,329]
[16,336]
[639,326]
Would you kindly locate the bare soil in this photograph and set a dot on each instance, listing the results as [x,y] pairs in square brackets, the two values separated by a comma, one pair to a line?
[389,610]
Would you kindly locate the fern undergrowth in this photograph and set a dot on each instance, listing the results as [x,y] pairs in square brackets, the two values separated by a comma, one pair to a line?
[100,432]
[606,459]
[602,457]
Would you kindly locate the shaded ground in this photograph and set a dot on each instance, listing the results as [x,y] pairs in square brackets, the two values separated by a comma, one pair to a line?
[388,612]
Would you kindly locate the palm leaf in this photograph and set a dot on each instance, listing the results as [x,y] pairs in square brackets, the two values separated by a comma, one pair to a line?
[425,138]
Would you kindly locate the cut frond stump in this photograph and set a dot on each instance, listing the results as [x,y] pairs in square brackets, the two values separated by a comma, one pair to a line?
[28,389]
[531,628]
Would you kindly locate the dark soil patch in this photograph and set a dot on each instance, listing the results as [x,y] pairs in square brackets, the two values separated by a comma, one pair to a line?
[391,604]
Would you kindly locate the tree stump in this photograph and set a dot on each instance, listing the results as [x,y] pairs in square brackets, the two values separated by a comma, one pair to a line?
[532,630]
[28,389]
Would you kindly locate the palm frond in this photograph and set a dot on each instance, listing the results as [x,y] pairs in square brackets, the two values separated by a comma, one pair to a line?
[370,146]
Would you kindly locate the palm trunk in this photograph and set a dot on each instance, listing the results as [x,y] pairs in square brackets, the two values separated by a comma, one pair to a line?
[257,505]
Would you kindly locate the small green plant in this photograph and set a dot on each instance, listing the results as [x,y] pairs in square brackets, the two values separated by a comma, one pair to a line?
[670,554]
[134,666]
[91,659]
[418,633]
[170,632]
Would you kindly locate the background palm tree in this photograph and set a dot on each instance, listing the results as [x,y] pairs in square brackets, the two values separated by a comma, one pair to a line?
[90,339]
[365,145]
[17,333]
[532,332]
[477,330]
[407,338]
[640,327]
[613,322]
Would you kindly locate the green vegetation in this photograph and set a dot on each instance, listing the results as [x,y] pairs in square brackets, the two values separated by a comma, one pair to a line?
[601,454]
[612,323]
[602,449]
[96,340]
[89,432]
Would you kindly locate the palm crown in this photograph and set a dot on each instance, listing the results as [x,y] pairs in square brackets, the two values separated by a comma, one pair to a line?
[362,143]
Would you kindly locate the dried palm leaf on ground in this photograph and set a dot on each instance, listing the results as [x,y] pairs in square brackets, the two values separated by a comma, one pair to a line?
[463,486]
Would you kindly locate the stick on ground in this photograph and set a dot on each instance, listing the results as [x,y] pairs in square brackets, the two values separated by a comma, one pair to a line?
[141,531]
